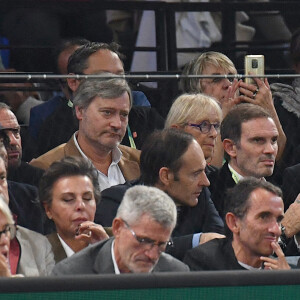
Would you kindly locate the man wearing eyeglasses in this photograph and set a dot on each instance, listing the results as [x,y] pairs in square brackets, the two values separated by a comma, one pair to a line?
[142,229]
[249,137]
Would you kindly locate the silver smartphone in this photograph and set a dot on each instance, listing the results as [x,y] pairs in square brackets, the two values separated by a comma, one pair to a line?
[254,65]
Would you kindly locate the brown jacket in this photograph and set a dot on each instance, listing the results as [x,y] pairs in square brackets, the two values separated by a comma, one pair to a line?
[129,163]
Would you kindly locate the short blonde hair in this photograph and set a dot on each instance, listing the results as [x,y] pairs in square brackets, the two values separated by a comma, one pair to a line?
[196,67]
[6,211]
[189,107]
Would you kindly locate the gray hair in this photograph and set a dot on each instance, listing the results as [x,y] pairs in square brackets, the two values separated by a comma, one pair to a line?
[140,200]
[101,87]
[6,211]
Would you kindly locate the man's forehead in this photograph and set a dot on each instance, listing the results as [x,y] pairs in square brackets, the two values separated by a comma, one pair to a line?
[263,200]
[104,60]
[260,126]
[193,156]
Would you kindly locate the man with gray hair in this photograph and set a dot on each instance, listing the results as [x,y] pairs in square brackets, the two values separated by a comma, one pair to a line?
[142,229]
[101,107]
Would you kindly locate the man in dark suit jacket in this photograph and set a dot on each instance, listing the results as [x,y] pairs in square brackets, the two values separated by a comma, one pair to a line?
[142,230]
[249,137]
[174,162]
[254,210]
[18,170]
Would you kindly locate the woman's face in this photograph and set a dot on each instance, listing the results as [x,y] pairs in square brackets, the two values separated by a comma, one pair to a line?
[5,237]
[207,140]
[73,202]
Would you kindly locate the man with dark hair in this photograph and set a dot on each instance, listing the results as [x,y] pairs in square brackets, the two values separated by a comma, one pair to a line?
[254,210]
[39,113]
[249,137]
[101,107]
[18,170]
[172,161]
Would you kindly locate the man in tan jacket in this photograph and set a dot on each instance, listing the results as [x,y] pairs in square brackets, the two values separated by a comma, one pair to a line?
[101,107]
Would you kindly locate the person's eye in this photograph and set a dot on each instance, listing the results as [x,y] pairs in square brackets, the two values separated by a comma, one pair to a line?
[217,79]
[124,114]
[106,113]
[67,199]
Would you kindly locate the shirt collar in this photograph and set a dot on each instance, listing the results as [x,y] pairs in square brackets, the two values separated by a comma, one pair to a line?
[117,271]
[116,152]
[68,250]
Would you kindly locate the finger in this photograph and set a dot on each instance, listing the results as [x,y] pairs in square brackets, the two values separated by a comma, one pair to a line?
[277,249]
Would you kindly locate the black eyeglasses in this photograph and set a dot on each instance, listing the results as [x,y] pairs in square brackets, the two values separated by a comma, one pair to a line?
[205,127]
[9,228]
[148,244]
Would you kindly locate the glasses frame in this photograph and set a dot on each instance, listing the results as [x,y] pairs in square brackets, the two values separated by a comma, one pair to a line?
[146,242]
[204,131]
[11,228]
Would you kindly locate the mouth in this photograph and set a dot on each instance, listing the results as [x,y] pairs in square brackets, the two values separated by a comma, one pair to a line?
[78,221]
[268,162]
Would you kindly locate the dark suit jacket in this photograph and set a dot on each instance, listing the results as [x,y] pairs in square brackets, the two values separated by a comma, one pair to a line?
[96,259]
[23,202]
[201,218]
[26,173]
[220,181]
[214,255]
[290,185]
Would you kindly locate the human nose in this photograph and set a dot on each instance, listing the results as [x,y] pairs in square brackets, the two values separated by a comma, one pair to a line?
[203,180]
[226,83]
[213,132]
[153,252]
[116,121]
[275,228]
[80,205]
[12,139]
[270,147]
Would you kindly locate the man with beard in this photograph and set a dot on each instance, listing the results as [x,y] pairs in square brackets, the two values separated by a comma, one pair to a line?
[18,170]
[101,107]
[249,137]
[142,229]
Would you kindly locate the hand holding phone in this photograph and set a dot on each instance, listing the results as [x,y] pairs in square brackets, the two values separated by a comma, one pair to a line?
[254,65]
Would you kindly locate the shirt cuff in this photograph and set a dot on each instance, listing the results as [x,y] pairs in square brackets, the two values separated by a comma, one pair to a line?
[196,239]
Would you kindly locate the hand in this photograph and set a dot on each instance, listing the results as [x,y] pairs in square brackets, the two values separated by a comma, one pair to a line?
[205,237]
[4,267]
[291,220]
[276,264]
[90,232]
[231,97]
[259,94]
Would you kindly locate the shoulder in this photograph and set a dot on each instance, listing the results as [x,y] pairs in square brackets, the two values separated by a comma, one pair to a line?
[44,161]
[31,236]
[82,262]
[168,263]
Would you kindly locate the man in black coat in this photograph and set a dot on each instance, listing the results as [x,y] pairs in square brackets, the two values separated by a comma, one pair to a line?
[254,210]
[172,161]
[18,170]
[249,137]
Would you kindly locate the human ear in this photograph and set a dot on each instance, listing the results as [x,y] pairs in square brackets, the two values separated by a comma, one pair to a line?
[73,83]
[79,112]
[230,147]
[232,222]
[48,210]
[116,226]
[165,176]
